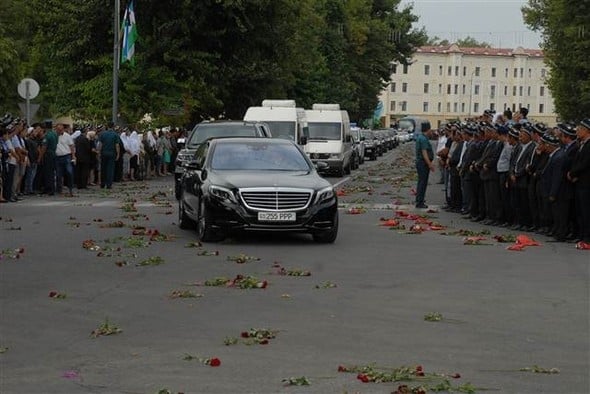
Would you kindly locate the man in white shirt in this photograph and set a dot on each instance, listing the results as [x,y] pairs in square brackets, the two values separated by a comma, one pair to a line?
[66,156]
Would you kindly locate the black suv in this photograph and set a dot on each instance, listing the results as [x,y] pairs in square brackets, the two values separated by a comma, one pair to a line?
[207,130]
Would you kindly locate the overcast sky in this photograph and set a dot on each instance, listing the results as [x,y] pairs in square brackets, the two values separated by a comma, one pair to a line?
[498,22]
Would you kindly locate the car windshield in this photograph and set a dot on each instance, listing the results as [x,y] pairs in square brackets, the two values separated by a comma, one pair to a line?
[406,125]
[284,130]
[204,132]
[324,131]
[258,156]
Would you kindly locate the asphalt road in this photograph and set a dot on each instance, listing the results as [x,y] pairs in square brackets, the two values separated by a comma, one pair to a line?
[502,311]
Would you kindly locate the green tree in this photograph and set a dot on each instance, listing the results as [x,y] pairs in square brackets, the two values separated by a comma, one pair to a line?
[566,44]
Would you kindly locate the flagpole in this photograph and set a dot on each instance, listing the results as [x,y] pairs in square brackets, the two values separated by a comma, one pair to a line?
[116,54]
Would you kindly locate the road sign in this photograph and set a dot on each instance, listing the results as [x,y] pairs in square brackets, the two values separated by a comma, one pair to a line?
[28,85]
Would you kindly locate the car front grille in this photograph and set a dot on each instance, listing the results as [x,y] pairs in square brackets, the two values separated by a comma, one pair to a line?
[276,199]
[319,156]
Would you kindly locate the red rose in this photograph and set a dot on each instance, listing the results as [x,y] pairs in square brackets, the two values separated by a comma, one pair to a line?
[363,378]
[215,362]
[262,285]
[419,373]
[264,342]
[342,368]
[455,376]
[419,368]
[21,250]
[245,334]
[52,294]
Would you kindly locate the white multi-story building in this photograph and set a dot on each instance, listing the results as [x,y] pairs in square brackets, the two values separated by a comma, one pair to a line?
[448,82]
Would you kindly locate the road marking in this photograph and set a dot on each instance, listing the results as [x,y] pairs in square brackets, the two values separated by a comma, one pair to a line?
[341,182]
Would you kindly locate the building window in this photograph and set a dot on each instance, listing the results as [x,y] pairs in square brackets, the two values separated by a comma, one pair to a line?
[440,88]
[456,89]
[450,70]
[393,87]
[530,72]
[520,90]
[404,87]
[455,107]
[513,107]
[456,71]
[505,90]
[394,68]
[493,91]
[506,73]
[463,107]
[543,73]
[477,71]
[440,70]
[476,89]
[463,89]
[514,90]
[515,72]
[542,91]
[464,71]
[392,106]
[528,91]
[476,107]
[522,72]
[492,106]
[541,108]
[426,69]
[439,107]
[449,89]
[425,88]
[404,105]
[493,72]
[425,106]
[405,68]
[448,107]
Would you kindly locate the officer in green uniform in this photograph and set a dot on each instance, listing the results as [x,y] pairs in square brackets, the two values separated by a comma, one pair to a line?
[109,154]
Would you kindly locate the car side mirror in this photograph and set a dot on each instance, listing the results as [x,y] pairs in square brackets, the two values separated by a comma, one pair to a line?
[303,140]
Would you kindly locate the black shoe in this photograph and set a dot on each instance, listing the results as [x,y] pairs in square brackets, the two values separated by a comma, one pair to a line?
[487,222]
[478,219]
[421,206]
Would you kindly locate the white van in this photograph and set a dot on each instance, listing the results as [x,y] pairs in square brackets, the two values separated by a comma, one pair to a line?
[330,139]
[283,117]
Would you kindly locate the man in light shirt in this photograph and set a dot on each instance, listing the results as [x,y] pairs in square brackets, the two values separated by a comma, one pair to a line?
[66,156]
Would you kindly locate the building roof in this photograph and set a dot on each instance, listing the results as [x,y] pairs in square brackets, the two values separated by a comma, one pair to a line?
[453,48]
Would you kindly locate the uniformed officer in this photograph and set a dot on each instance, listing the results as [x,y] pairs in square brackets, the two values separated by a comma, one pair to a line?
[579,175]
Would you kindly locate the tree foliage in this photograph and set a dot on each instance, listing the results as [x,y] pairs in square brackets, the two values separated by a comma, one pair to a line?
[467,42]
[210,58]
[566,45]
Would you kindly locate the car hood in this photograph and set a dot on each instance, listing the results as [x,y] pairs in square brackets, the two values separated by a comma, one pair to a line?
[244,179]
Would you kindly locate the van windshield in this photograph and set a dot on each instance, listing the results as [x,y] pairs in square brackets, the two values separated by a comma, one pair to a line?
[325,131]
[406,125]
[284,130]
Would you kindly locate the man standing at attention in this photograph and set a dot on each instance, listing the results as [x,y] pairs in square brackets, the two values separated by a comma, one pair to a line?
[47,158]
[109,154]
[424,157]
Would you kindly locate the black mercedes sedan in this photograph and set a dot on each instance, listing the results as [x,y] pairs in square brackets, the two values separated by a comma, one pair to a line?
[256,184]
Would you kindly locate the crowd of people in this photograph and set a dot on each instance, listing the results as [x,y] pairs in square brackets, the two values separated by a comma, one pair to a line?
[505,171]
[52,159]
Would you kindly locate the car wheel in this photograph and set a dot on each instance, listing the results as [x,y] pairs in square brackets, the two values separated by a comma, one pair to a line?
[347,169]
[205,231]
[374,156]
[328,237]
[177,189]
[340,171]
[184,222]
[361,159]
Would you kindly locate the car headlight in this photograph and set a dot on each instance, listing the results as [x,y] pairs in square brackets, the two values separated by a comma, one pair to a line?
[222,193]
[325,194]
[335,156]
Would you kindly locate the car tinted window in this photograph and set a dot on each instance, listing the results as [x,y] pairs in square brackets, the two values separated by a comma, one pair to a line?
[284,130]
[258,156]
[207,131]
[324,131]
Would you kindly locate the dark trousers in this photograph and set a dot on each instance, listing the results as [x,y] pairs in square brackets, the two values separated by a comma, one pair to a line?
[65,172]
[583,213]
[466,192]
[534,209]
[455,184]
[523,213]
[49,173]
[493,199]
[506,215]
[8,180]
[82,173]
[423,173]
[477,207]
[545,220]
[107,171]
[559,212]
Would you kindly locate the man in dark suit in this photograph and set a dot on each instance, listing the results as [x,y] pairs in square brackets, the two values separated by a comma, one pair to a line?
[477,205]
[579,175]
[537,163]
[487,166]
[552,179]
[567,138]
[519,178]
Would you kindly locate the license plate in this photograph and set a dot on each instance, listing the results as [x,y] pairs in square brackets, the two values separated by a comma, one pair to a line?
[276,216]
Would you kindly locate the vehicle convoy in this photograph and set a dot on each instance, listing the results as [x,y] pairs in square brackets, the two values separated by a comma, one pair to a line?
[373,146]
[256,184]
[330,139]
[216,129]
[283,117]
[358,143]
